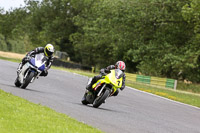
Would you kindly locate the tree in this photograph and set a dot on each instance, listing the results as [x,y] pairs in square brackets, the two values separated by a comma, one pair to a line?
[153,37]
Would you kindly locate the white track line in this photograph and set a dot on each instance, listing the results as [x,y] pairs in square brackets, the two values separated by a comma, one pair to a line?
[162,97]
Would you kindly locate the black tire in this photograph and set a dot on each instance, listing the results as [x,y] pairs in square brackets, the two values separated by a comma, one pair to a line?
[99,100]
[27,80]
[84,101]
[17,83]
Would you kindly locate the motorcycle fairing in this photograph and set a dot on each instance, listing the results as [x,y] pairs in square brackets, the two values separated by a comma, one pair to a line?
[39,62]
[24,68]
[36,64]
[42,68]
[32,61]
[110,78]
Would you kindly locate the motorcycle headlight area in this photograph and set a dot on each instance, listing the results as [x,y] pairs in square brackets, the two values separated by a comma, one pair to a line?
[30,65]
[114,81]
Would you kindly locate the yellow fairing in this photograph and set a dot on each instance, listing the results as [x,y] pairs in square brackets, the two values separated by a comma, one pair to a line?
[110,79]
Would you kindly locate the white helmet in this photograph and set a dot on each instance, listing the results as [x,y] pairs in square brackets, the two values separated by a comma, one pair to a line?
[49,50]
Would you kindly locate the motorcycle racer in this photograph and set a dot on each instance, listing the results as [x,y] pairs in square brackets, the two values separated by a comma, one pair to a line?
[119,65]
[48,51]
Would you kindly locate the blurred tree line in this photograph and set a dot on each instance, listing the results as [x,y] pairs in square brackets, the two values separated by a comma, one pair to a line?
[153,37]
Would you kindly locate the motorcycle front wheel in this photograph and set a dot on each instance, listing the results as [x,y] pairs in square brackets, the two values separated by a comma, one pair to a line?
[27,80]
[100,99]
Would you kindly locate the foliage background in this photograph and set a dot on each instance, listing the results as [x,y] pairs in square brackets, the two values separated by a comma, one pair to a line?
[153,37]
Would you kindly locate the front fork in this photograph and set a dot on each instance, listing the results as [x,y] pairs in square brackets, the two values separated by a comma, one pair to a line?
[29,71]
[101,89]
[36,76]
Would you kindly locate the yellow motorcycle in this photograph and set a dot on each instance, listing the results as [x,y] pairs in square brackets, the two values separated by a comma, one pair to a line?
[103,88]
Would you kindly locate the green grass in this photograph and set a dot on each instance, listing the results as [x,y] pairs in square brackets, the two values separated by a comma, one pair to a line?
[21,116]
[10,59]
[176,95]
[195,88]
[81,72]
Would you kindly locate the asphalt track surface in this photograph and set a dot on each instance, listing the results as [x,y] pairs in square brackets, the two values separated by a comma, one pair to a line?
[131,111]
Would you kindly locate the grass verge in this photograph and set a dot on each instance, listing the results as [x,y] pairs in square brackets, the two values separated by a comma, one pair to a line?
[176,95]
[21,116]
[195,88]
[81,72]
[10,59]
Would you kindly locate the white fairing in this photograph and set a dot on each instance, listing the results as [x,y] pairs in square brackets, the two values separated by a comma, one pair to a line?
[40,59]
[21,74]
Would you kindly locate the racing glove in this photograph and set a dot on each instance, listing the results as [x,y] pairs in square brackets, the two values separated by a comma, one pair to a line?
[27,58]
[102,72]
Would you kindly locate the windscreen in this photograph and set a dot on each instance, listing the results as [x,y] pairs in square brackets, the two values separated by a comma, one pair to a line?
[118,73]
[40,59]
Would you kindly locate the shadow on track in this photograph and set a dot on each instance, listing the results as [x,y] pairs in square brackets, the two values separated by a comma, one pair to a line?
[100,108]
[14,87]
[27,89]
[9,85]
[33,90]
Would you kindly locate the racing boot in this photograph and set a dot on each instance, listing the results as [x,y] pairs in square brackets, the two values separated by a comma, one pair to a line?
[91,82]
[19,68]
[89,85]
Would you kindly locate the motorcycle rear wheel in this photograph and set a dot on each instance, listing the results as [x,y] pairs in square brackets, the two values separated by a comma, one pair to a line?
[99,100]
[17,83]
[84,101]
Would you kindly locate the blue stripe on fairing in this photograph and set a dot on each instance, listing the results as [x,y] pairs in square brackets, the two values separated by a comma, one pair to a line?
[32,61]
[42,68]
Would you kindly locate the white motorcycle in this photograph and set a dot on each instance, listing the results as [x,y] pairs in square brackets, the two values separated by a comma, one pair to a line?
[31,70]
